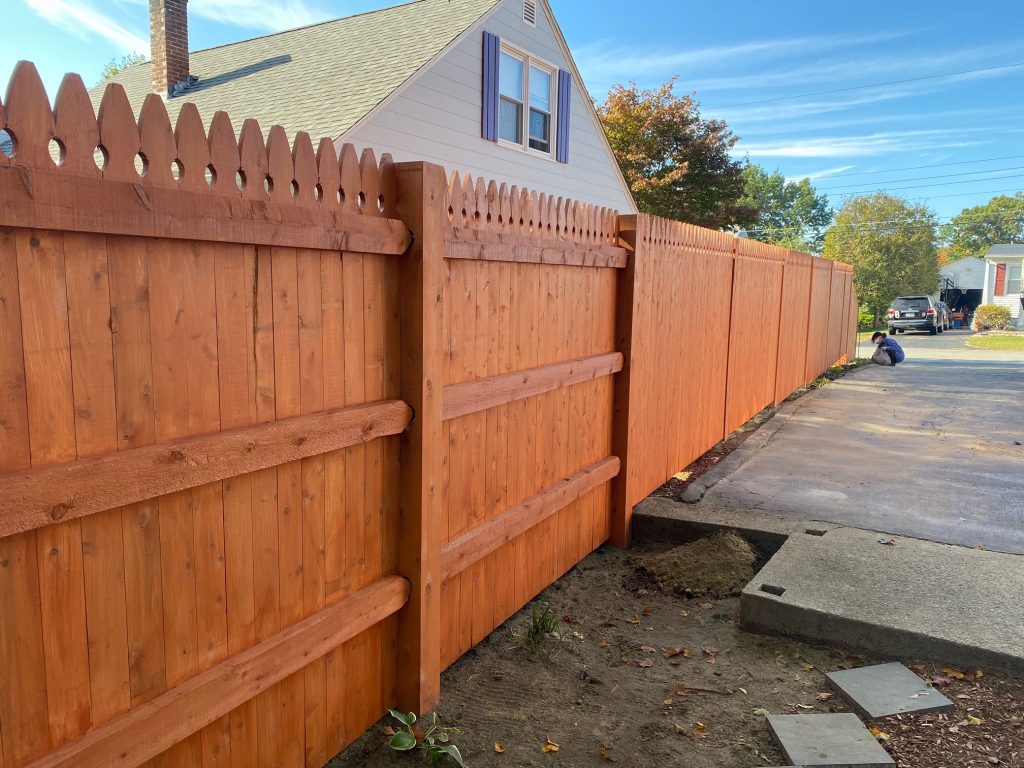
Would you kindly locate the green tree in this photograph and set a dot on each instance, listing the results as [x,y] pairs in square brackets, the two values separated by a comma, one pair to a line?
[115,67]
[973,230]
[676,163]
[891,244]
[789,213]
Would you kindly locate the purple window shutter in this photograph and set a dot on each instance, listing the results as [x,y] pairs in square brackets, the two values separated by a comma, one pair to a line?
[564,109]
[492,54]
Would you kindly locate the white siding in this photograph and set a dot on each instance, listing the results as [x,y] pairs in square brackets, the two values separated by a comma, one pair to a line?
[1013,301]
[436,117]
[966,274]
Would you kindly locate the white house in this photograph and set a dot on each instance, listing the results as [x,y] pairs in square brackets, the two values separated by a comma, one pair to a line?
[486,87]
[961,283]
[1003,285]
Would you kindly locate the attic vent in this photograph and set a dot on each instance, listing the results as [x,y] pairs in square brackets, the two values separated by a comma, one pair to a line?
[530,12]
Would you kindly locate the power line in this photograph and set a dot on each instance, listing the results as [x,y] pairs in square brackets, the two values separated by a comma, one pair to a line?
[919,167]
[870,85]
[924,186]
[926,178]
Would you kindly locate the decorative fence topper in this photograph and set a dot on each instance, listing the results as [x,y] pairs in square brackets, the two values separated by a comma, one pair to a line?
[285,430]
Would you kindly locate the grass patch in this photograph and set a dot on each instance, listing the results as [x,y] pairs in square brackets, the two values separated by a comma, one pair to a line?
[833,373]
[1007,342]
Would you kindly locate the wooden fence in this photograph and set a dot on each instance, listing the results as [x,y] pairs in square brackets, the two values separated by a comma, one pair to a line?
[284,431]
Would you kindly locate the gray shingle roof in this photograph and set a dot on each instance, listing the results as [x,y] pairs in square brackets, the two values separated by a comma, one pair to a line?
[322,78]
[1006,249]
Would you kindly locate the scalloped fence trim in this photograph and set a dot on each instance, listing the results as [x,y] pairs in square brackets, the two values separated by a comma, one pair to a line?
[113,145]
[475,203]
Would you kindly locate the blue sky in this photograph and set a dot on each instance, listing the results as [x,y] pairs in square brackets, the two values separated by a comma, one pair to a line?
[950,141]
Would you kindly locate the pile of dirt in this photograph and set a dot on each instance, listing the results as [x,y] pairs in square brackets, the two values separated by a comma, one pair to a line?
[716,566]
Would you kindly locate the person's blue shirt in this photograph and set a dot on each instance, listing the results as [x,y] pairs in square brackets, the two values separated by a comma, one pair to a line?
[895,351]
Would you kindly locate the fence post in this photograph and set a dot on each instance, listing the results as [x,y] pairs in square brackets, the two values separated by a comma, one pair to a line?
[421,206]
[622,505]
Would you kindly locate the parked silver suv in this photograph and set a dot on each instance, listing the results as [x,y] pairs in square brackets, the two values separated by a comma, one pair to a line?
[917,313]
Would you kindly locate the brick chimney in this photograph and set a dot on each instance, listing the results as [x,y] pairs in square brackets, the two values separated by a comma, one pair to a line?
[168,25]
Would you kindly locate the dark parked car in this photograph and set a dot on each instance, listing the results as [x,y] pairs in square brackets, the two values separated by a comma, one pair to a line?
[917,313]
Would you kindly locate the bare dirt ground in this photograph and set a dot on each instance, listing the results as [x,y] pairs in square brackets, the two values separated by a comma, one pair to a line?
[640,676]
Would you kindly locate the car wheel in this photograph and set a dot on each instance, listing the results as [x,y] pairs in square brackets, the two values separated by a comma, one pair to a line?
[933,330]
[941,329]
[892,331]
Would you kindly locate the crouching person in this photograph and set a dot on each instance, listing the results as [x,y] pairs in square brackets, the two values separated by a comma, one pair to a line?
[889,352]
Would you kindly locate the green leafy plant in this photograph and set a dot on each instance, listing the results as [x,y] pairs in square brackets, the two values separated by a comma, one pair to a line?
[543,624]
[992,317]
[431,738]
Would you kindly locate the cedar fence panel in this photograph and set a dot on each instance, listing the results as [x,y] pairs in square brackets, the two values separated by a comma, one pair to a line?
[753,330]
[529,308]
[794,324]
[279,424]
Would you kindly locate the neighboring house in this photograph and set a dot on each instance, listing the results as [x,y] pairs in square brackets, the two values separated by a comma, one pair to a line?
[961,283]
[486,87]
[6,145]
[1003,279]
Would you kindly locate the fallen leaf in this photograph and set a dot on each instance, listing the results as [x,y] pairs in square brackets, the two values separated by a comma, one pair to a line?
[635,620]
[710,651]
[648,649]
[681,691]
[888,542]
[550,746]
[698,730]
[645,663]
[980,548]
[824,696]
[978,674]
[606,753]
[743,691]
[804,706]
[918,667]
[705,606]
[498,748]
[954,673]
[974,720]
[761,711]
[603,644]
[388,730]
[667,702]
[684,614]
[940,681]
[880,735]
[567,619]
[672,652]
[648,610]
[806,667]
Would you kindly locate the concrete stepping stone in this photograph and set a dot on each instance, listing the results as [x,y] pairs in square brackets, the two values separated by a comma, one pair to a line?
[887,689]
[837,741]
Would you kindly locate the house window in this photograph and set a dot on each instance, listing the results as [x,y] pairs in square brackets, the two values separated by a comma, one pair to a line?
[526,101]
[511,85]
[1013,279]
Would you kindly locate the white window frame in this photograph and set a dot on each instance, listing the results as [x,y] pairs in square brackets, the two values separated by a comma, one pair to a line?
[1019,279]
[533,61]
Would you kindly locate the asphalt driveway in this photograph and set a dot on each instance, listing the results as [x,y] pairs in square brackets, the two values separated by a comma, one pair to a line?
[931,449]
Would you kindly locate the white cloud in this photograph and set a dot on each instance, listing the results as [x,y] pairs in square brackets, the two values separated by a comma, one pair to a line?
[821,174]
[857,146]
[271,15]
[80,18]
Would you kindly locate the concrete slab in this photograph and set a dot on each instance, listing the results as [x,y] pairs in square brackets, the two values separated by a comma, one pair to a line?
[911,599]
[887,689]
[932,448]
[839,741]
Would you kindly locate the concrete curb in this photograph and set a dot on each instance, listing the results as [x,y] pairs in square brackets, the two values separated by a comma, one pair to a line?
[748,448]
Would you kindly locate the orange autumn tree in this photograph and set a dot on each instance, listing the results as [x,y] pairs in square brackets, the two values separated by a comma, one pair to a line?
[677,164]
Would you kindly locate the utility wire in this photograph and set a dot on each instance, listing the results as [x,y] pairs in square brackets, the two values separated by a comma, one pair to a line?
[925,178]
[924,186]
[870,85]
[918,167]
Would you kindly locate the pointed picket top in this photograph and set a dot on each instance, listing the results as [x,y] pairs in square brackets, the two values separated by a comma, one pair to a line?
[157,143]
[542,215]
[469,201]
[29,118]
[193,149]
[75,128]
[514,208]
[504,208]
[350,181]
[223,155]
[493,206]
[551,217]
[369,176]
[280,168]
[388,186]
[119,135]
[253,161]
[480,202]
[328,175]
[305,171]
[456,210]
[525,212]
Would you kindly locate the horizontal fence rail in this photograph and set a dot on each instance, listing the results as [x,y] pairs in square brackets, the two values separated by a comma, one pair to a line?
[286,430]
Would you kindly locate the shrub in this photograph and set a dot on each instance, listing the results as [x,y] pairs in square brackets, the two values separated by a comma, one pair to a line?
[992,317]
[865,319]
